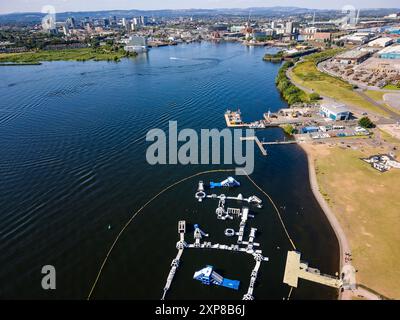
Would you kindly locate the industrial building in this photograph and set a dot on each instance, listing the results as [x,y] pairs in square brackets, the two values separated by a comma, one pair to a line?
[380,42]
[335,111]
[357,38]
[352,57]
[392,52]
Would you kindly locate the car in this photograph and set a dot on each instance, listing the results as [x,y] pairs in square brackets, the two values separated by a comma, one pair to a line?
[364,113]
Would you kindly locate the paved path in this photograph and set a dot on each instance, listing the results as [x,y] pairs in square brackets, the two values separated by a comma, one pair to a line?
[360,293]
[393,115]
[392,99]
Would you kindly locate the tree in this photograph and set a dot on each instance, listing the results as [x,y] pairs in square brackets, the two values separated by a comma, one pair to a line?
[315,96]
[289,129]
[366,122]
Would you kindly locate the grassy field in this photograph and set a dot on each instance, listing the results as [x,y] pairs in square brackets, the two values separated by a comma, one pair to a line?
[391,87]
[306,74]
[82,54]
[366,203]
[376,95]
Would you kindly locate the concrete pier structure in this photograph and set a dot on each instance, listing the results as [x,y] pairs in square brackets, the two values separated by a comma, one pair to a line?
[296,269]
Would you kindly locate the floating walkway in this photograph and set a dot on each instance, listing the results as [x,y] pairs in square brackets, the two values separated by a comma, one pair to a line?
[258,142]
[246,247]
[296,269]
[181,244]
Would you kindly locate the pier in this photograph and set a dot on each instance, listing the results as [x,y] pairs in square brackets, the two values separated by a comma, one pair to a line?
[296,269]
[233,119]
[279,142]
[258,142]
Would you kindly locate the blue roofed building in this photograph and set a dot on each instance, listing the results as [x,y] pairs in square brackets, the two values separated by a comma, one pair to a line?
[392,52]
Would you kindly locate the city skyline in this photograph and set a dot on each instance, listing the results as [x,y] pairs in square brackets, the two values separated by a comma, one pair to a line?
[99,5]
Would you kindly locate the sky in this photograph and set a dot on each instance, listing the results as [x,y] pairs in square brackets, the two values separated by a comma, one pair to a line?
[7,6]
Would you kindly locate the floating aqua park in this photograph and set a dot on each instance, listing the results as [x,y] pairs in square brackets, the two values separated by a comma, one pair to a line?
[229,182]
[208,276]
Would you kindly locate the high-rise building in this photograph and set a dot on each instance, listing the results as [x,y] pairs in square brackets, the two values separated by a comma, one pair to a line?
[143,20]
[289,27]
[65,29]
[113,20]
[70,22]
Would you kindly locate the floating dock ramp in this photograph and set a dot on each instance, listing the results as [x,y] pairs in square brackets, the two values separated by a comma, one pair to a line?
[296,269]
[258,142]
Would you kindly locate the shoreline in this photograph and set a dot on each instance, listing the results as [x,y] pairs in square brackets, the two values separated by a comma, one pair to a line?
[344,245]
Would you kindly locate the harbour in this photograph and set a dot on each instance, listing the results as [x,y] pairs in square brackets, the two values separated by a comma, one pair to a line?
[86,168]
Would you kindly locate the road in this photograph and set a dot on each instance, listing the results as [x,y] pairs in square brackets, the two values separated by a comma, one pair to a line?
[375,117]
[393,115]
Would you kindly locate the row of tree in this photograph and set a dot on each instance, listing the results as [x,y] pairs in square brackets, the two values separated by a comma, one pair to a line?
[289,91]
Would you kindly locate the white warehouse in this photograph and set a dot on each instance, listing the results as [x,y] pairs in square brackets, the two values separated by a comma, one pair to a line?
[335,111]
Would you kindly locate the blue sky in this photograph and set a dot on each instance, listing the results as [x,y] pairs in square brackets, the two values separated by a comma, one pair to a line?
[83,5]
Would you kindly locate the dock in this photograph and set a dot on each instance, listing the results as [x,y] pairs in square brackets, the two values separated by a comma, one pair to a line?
[296,269]
[233,119]
[279,142]
[258,142]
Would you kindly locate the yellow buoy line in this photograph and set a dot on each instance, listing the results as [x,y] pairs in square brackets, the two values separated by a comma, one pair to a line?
[160,193]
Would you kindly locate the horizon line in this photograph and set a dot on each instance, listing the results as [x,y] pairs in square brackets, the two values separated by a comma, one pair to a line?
[187,9]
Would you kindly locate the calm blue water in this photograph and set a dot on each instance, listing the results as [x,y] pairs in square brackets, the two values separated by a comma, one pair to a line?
[72,162]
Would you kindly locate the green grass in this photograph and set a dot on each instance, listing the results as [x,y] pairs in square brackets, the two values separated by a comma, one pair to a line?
[376,95]
[366,203]
[82,54]
[391,87]
[306,74]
